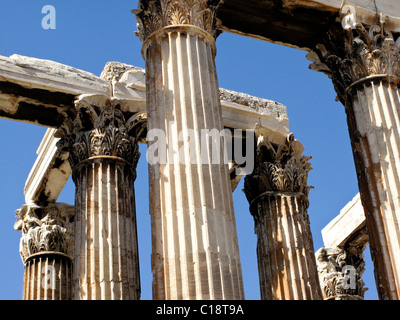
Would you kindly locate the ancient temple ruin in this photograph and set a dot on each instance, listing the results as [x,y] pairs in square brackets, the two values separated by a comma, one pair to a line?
[175,106]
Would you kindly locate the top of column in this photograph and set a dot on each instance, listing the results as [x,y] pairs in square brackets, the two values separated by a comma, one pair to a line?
[353,53]
[156,17]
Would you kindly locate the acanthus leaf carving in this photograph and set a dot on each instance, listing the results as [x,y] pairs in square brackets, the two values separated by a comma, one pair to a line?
[340,272]
[45,229]
[153,15]
[277,169]
[100,129]
[358,52]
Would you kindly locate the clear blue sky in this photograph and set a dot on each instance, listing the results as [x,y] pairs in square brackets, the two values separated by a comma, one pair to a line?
[88,34]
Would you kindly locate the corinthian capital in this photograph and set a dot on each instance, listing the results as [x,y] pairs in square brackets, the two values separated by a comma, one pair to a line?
[277,169]
[353,52]
[340,271]
[45,229]
[154,15]
[100,129]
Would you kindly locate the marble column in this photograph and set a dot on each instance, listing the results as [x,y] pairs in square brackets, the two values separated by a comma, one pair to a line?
[194,238]
[46,249]
[364,64]
[103,157]
[278,195]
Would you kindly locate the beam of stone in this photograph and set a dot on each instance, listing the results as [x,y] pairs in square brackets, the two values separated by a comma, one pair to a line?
[366,11]
[39,91]
[49,173]
[50,75]
[239,110]
[346,226]
[297,23]
[30,85]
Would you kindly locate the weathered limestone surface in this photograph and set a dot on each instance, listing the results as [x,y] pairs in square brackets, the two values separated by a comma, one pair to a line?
[46,249]
[278,195]
[103,154]
[366,11]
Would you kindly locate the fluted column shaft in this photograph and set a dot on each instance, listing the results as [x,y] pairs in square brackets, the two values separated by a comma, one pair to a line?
[278,195]
[284,248]
[365,68]
[374,120]
[46,248]
[106,266]
[103,158]
[195,246]
[47,276]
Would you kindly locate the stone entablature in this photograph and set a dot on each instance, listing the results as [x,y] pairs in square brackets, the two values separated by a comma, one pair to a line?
[347,226]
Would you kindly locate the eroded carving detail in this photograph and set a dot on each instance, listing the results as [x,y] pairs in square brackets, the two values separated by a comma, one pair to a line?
[358,53]
[340,272]
[277,169]
[153,15]
[100,129]
[45,229]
